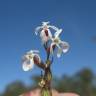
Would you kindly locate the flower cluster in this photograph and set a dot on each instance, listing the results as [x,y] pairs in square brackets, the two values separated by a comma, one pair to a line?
[46,36]
[32,57]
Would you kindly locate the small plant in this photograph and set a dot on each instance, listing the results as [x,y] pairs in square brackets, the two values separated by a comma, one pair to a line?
[51,43]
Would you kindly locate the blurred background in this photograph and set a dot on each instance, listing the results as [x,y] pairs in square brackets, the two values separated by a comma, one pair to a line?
[74,71]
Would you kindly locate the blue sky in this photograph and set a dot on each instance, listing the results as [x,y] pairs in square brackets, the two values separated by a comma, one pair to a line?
[19,18]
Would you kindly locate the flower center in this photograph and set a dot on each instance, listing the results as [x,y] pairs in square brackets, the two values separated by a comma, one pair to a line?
[30,56]
[56,40]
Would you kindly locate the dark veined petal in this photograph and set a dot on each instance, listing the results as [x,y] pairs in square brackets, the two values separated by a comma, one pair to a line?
[46,33]
[43,36]
[36,59]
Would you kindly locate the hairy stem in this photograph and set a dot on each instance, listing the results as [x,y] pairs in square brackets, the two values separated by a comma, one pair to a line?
[46,89]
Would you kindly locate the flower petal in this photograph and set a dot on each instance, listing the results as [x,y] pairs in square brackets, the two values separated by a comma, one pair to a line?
[57,33]
[28,65]
[64,46]
[45,23]
[46,33]
[43,36]
[32,52]
[53,27]
[52,47]
[59,52]
[38,29]
[36,59]
[49,34]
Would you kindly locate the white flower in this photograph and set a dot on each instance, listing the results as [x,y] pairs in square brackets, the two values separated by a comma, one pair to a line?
[61,45]
[28,60]
[45,32]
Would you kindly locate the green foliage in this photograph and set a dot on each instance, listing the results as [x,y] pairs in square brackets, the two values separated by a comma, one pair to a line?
[15,89]
[83,83]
